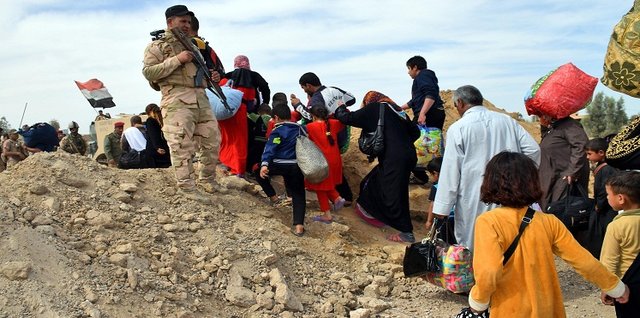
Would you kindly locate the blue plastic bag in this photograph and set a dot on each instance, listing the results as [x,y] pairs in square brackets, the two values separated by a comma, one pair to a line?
[234,99]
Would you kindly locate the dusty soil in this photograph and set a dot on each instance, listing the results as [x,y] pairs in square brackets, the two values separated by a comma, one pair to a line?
[78,239]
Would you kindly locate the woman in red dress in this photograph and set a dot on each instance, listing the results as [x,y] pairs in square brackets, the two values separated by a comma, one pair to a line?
[234,132]
[323,132]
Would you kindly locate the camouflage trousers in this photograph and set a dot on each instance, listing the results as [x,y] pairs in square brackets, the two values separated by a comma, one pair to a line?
[189,132]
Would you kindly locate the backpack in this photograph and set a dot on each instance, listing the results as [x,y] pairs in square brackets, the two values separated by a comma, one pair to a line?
[42,136]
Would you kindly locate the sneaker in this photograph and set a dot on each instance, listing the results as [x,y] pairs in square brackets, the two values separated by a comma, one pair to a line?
[194,194]
[339,204]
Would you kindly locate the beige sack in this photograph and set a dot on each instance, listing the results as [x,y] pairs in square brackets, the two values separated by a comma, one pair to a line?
[622,61]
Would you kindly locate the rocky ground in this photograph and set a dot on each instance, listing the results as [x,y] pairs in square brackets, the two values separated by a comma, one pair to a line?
[78,239]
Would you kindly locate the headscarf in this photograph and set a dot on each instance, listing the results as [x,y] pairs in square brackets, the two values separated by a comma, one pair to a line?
[376,97]
[241,61]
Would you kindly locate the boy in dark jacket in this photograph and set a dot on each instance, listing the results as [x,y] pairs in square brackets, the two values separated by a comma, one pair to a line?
[596,149]
[279,158]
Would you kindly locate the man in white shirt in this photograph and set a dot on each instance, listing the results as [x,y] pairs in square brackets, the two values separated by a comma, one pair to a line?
[470,143]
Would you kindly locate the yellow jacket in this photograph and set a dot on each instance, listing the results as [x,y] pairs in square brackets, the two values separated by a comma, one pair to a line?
[528,285]
[621,243]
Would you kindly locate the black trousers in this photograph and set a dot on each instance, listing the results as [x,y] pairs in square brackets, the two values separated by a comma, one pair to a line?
[294,184]
[344,190]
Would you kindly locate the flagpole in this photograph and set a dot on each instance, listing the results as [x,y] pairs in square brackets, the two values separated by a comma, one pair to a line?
[23,111]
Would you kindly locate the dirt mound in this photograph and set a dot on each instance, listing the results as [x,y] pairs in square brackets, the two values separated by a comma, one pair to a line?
[82,240]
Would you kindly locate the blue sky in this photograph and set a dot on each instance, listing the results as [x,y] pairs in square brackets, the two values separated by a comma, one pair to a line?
[501,47]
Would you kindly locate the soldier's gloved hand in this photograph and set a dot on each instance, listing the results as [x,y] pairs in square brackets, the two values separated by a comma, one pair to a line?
[184,57]
[215,76]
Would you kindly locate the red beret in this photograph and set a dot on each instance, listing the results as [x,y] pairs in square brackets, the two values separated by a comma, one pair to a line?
[118,124]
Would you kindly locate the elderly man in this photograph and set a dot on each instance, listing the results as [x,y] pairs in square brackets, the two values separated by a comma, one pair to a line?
[112,146]
[471,142]
[189,121]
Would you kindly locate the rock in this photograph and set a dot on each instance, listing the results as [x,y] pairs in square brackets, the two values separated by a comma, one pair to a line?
[372,291]
[124,248]
[382,280]
[360,313]
[52,204]
[119,259]
[132,278]
[240,296]
[275,277]
[128,187]
[170,227]
[15,270]
[164,219]
[38,189]
[264,213]
[72,182]
[339,228]
[91,214]
[29,215]
[270,259]
[90,295]
[265,300]
[123,197]
[103,219]
[15,201]
[41,220]
[285,296]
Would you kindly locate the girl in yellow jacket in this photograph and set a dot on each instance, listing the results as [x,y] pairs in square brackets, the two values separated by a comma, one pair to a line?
[527,285]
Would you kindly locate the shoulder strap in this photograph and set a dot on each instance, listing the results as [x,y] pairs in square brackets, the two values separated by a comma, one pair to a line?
[525,221]
[381,115]
[598,168]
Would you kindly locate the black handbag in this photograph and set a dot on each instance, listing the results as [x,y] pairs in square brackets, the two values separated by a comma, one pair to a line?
[372,143]
[421,258]
[573,209]
[132,159]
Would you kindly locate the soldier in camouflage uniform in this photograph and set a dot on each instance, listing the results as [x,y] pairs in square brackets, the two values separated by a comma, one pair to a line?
[74,143]
[112,147]
[189,122]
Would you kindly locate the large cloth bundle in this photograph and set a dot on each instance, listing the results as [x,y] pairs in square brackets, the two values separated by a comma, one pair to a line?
[234,100]
[430,145]
[624,148]
[622,60]
[42,136]
[456,268]
[560,93]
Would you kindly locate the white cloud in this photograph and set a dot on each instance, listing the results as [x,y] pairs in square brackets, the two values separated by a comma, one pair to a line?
[501,47]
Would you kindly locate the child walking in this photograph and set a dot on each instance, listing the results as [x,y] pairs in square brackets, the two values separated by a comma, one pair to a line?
[596,149]
[622,241]
[279,158]
[527,284]
[323,132]
[446,230]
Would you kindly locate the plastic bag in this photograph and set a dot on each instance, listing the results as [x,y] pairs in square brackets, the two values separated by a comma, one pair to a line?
[560,93]
[430,145]
[234,100]
[312,163]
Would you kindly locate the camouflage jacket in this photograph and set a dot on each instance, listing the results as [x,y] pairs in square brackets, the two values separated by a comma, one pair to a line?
[74,143]
[176,80]
[112,146]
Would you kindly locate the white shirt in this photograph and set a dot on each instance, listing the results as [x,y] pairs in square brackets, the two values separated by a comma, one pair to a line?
[470,143]
[135,138]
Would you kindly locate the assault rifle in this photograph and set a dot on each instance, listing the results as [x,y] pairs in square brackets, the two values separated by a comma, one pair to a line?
[203,71]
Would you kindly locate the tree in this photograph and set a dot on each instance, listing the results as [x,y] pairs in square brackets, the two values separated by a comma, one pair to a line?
[606,116]
[4,124]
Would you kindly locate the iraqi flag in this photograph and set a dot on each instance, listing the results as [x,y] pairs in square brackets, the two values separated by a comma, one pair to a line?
[95,92]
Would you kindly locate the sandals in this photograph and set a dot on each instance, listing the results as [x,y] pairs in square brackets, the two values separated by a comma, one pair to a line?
[319,218]
[339,204]
[401,237]
[298,234]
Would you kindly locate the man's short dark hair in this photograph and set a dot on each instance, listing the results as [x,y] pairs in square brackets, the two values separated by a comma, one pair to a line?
[626,183]
[597,144]
[434,165]
[282,111]
[511,179]
[417,61]
[136,120]
[309,78]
